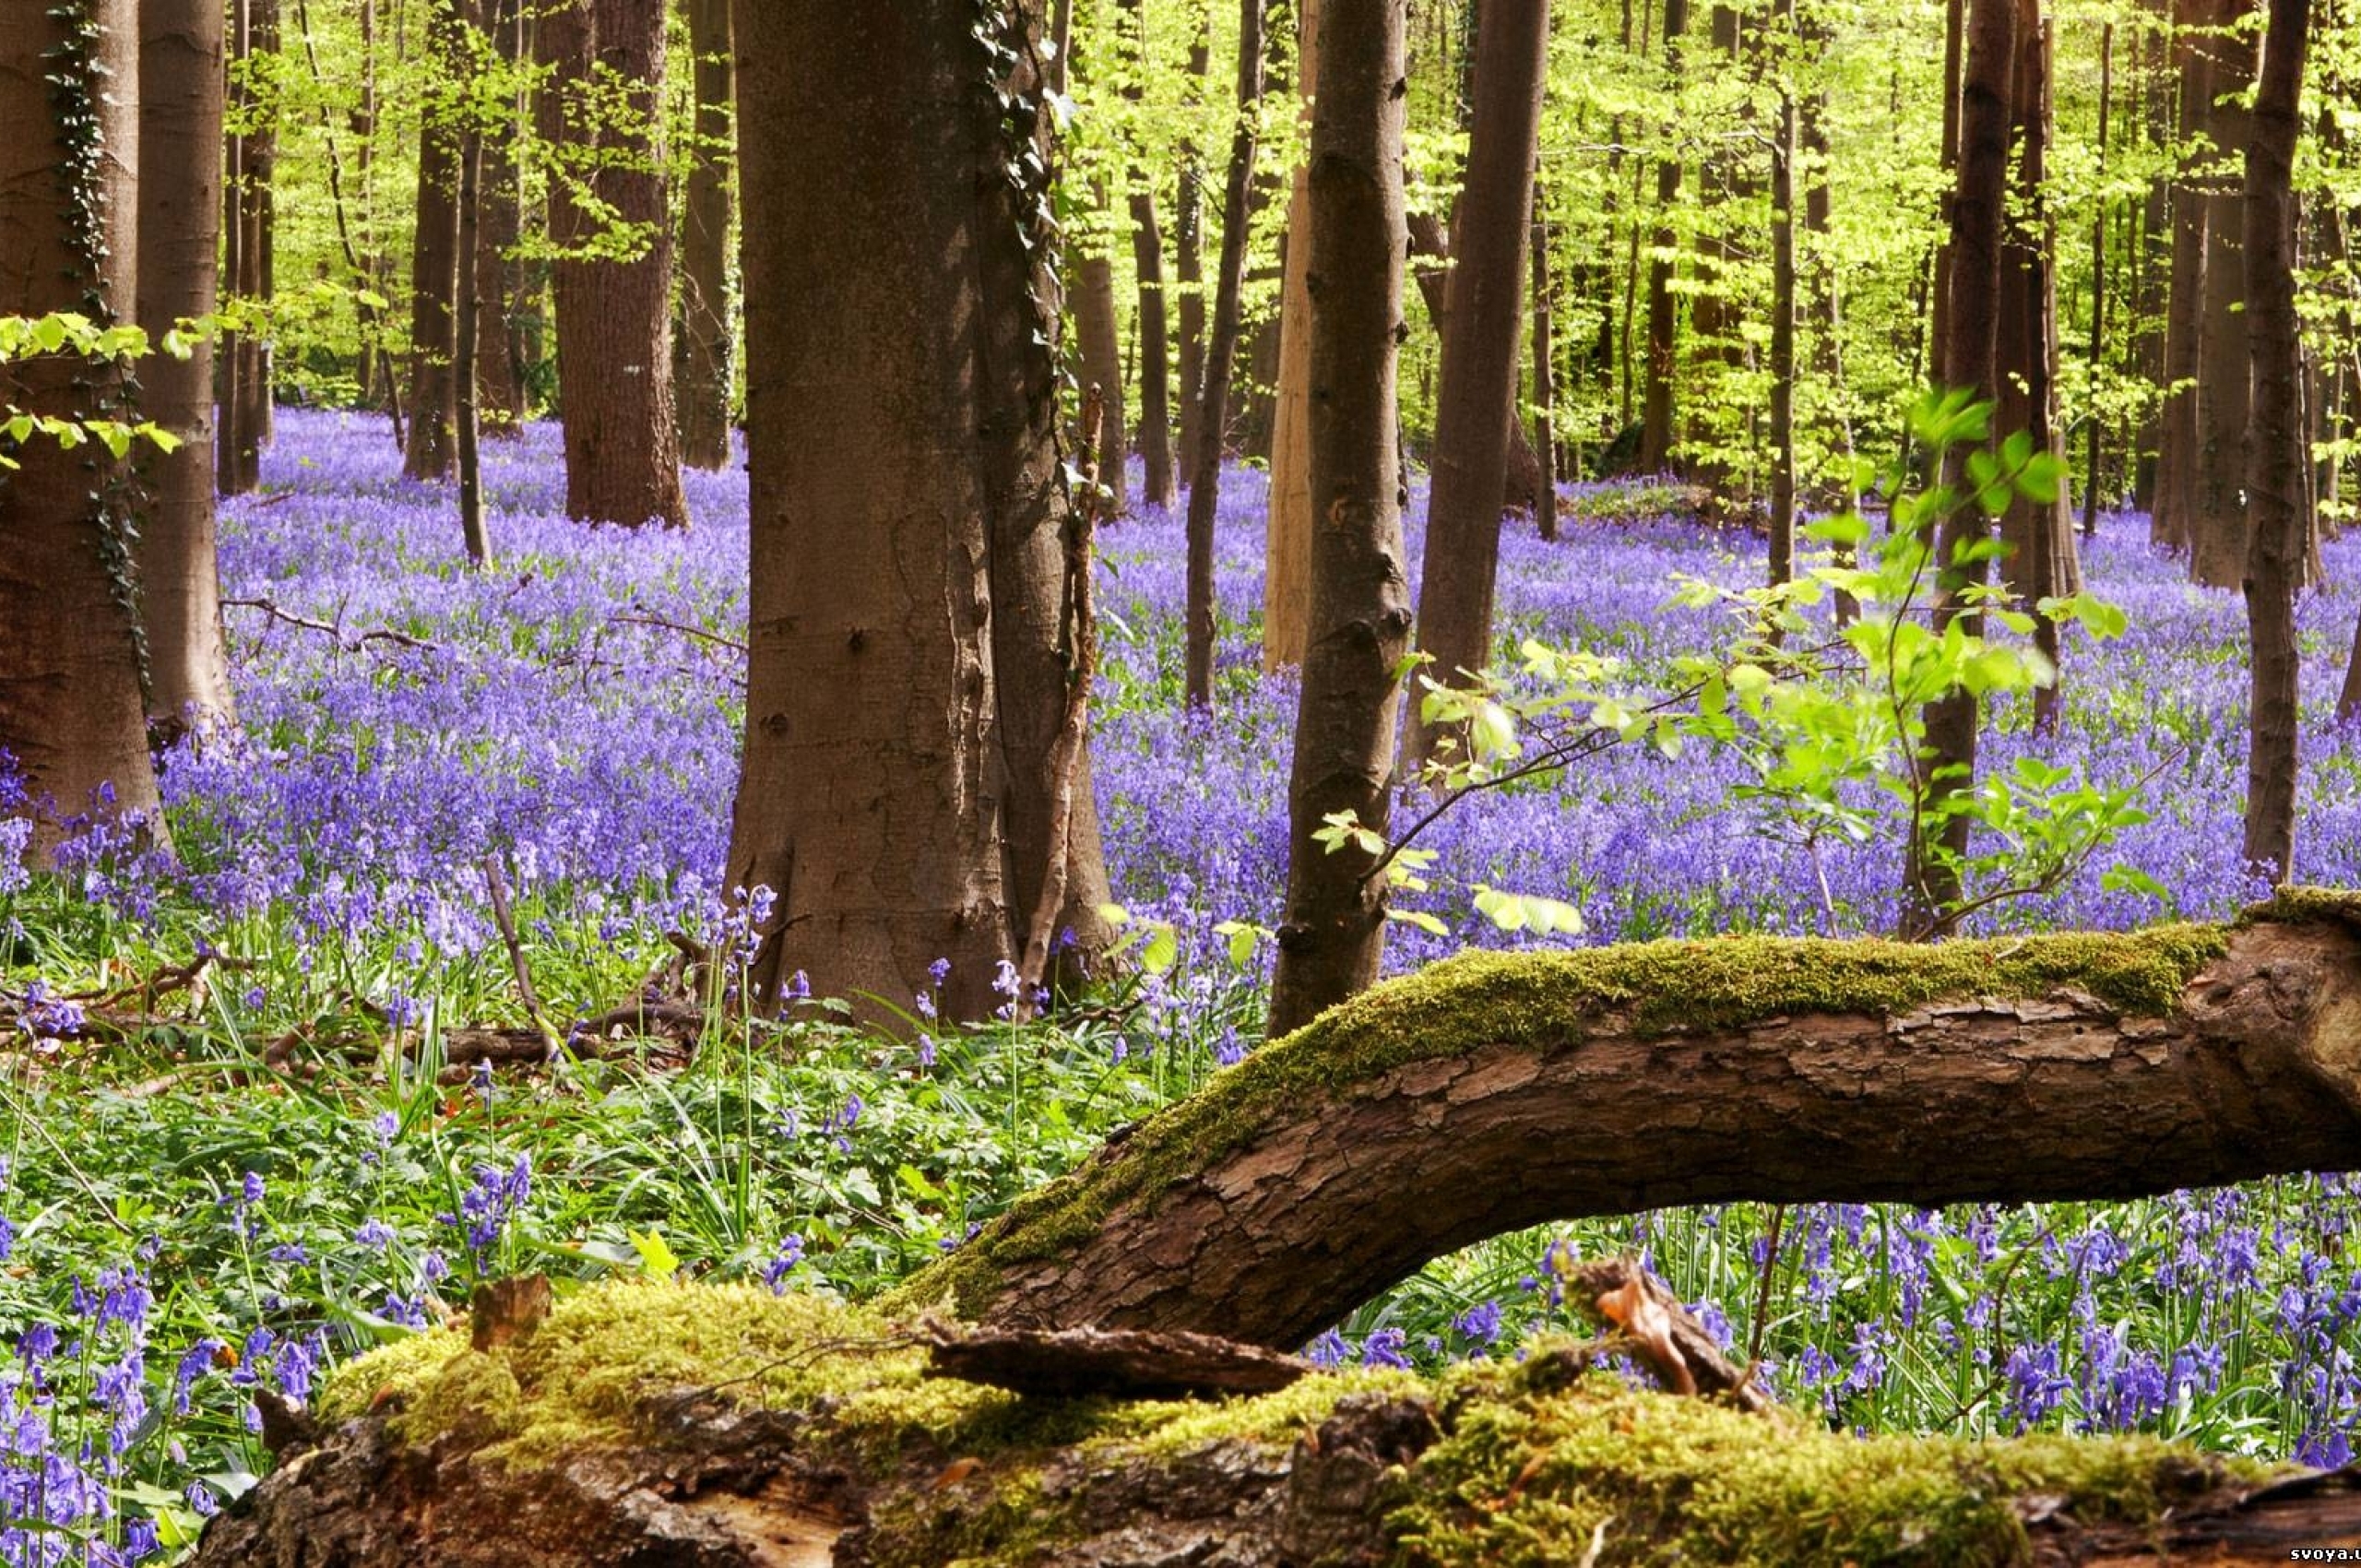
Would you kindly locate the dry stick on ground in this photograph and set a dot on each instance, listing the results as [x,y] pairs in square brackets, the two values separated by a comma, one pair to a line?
[497,885]
[661,625]
[1082,629]
[1678,1349]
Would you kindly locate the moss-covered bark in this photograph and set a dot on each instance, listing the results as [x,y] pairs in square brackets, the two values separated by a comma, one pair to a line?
[648,1423]
[1496,1091]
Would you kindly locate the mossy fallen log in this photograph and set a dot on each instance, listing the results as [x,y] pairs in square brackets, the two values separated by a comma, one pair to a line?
[1498,1091]
[721,1426]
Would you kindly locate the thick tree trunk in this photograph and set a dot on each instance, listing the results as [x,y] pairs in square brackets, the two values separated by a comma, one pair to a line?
[2277,457]
[434,271]
[706,333]
[1286,557]
[180,230]
[1497,1092]
[1656,399]
[907,677]
[614,318]
[791,1433]
[1221,357]
[70,702]
[2217,528]
[1476,411]
[1345,739]
[1970,361]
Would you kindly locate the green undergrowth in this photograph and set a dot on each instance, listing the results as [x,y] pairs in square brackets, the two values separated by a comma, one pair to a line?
[1542,1001]
[1531,1466]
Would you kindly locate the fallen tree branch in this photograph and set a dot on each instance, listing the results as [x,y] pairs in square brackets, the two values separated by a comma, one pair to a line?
[806,1435]
[354,644]
[1497,1091]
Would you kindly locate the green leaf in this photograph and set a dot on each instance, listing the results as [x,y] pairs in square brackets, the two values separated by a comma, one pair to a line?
[656,1259]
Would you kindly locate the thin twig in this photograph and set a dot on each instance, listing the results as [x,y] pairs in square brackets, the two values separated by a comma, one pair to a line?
[270,609]
[1762,1296]
[658,622]
[498,886]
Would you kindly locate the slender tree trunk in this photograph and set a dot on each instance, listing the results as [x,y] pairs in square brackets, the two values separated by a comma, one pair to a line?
[2173,520]
[614,320]
[1476,411]
[2218,545]
[2098,283]
[905,678]
[71,717]
[472,534]
[1970,349]
[1188,244]
[1782,566]
[1334,927]
[1938,297]
[1155,369]
[2275,455]
[1545,416]
[1656,403]
[499,370]
[434,267]
[706,331]
[1102,364]
[1221,356]
[259,278]
[180,230]
[2151,256]
[1286,558]
[238,457]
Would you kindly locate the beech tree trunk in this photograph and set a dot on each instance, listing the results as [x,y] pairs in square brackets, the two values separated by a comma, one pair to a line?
[239,361]
[70,708]
[2218,545]
[1782,564]
[1970,360]
[614,318]
[1287,556]
[1155,369]
[1221,359]
[1495,1092]
[1345,738]
[907,677]
[1188,260]
[1476,409]
[2277,455]
[435,268]
[2171,520]
[1545,419]
[706,333]
[1655,397]
[500,219]
[181,66]
[1102,366]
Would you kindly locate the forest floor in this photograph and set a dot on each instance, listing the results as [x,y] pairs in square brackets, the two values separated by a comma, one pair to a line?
[292,1167]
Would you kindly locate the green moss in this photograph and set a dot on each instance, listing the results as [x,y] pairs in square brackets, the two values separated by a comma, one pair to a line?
[1542,1001]
[2307,906]
[1534,1479]
[1530,1469]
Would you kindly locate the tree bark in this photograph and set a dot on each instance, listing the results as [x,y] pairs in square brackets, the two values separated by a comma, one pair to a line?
[614,318]
[181,68]
[1221,357]
[1287,556]
[2171,520]
[1102,365]
[70,703]
[1476,409]
[500,218]
[1655,397]
[1345,738]
[2218,544]
[238,462]
[2277,457]
[1162,486]
[907,676]
[2091,481]
[1782,564]
[1187,248]
[435,265]
[706,332]
[1545,418]
[1970,360]
[1497,1092]
[696,1466]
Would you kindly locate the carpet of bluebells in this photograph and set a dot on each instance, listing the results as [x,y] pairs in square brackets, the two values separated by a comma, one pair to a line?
[180,1225]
